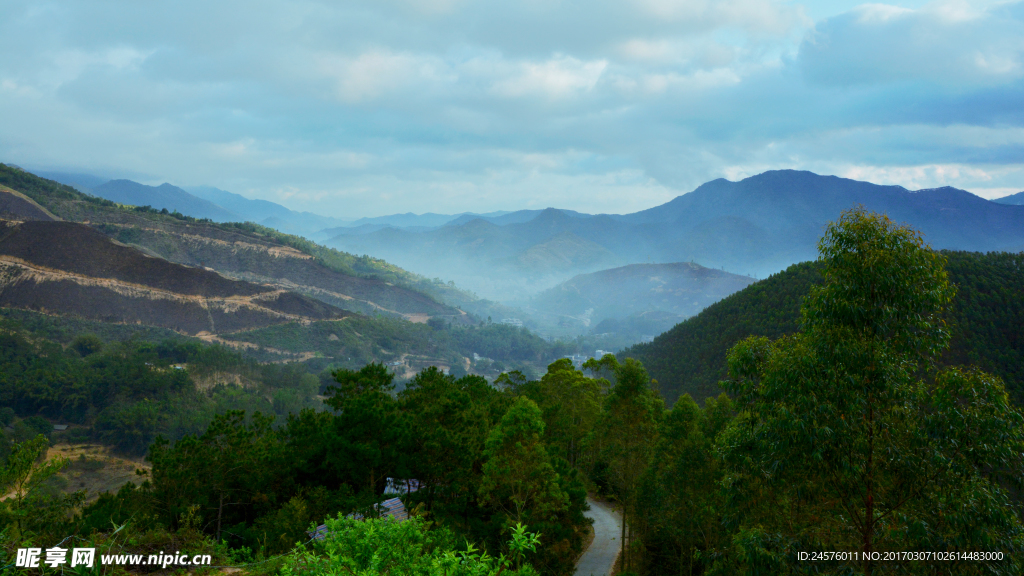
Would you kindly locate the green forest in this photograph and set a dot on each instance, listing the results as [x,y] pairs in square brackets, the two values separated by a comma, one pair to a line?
[985,319]
[849,431]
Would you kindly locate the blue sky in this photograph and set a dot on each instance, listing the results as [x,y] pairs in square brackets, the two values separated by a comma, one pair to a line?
[370,107]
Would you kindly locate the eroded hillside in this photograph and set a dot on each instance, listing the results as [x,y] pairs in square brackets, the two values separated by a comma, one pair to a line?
[239,251]
[70,269]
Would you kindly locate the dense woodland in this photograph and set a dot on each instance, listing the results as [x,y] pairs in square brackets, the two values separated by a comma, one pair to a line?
[847,435]
[985,321]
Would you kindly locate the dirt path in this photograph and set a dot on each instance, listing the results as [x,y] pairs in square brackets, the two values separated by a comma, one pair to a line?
[599,558]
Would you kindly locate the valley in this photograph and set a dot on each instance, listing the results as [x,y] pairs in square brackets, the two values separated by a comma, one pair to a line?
[135,337]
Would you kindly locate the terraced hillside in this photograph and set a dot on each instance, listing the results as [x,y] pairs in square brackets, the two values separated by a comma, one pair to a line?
[240,251]
[71,269]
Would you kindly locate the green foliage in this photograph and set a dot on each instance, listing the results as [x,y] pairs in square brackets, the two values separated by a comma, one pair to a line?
[626,435]
[372,547]
[570,403]
[518,476]
[131,391]
[227,473]
[448,422]
[983,321]
[363,439]
[87,344]
[678,507]
[847,441]
[28,512]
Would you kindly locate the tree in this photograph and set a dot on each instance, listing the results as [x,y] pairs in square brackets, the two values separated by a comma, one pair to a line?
[627,433]
[677,493]
[518,476]
[849,439]
[571,403]
[364,439]
[227,471]
[448,422]
[27,510]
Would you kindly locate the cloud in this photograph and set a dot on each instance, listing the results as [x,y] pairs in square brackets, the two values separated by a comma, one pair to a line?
[453,105]
[559,77]
[948,44]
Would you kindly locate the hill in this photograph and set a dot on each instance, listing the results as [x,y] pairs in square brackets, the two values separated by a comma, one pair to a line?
[244,251]
[265,212]
[501,261]
[135,266]
[985,318]
[679,289]
[1013,199]
[164,196]
[756,226]
[15,205]
[70,269]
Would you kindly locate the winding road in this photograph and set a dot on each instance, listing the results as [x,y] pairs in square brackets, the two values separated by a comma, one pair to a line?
[599,558]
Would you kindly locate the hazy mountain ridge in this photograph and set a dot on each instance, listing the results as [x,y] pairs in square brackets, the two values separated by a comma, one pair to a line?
[1013,199]
[631,295]
[756,226]
[266,212]
[164,196]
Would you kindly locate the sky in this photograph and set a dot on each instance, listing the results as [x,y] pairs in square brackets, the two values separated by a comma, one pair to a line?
[373,107]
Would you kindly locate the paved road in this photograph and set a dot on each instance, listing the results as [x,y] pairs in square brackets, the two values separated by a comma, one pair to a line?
[600,558]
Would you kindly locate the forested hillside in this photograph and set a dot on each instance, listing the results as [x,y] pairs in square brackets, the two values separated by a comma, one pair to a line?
[985,318]
[504,470]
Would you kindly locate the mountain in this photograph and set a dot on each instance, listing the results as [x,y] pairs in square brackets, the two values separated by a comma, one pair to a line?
[243,252]
[679,289]
[517,217]
[986,318]
[67,268]
[1013,199]
[16,206]
[756,226]
[408,221]
[505,262]
[265,212]
[164,196]
[81,182]
[791,208]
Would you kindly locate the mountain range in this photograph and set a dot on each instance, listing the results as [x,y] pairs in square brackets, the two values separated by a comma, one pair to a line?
[755,227]
[540,262]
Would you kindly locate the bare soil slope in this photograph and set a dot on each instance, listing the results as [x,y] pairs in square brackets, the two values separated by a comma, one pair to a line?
[70,269]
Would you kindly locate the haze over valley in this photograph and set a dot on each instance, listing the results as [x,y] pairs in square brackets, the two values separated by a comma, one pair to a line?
[465,288]
[622,277]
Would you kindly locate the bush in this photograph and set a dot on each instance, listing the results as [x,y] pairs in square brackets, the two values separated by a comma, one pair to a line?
[377,546]
[87,344]
[6,416]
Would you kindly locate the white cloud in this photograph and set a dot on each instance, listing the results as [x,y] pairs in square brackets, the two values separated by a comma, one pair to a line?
[606,105]
[559,77]
[948,43]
